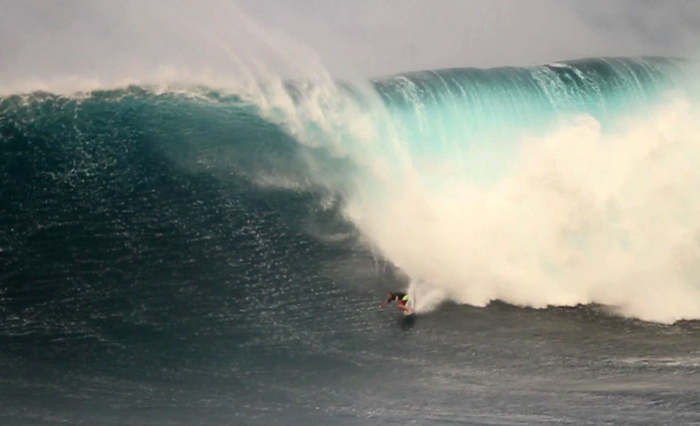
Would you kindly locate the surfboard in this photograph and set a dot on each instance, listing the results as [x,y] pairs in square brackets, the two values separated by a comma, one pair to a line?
[411,311]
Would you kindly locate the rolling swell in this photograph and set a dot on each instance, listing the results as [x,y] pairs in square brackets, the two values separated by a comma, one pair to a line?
[216,257]
[129,211]
[122,246]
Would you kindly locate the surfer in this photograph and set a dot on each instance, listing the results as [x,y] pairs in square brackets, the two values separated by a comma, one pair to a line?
[401,298]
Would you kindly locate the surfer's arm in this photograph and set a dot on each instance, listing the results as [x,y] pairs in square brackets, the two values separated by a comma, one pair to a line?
[384,304]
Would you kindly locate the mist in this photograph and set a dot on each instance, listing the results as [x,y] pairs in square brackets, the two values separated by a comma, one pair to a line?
[92,43]
[467,243]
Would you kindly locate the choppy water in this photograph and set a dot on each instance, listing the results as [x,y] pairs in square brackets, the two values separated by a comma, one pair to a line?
[201,257]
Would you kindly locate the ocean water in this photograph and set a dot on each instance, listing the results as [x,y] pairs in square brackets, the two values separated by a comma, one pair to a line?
[193,255]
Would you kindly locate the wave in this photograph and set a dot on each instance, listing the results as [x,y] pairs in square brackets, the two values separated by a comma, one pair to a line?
[564,184]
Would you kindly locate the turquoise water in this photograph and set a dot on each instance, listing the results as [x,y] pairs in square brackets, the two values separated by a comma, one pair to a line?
[216,256]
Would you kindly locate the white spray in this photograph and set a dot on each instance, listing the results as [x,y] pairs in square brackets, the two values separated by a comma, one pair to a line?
[582,217]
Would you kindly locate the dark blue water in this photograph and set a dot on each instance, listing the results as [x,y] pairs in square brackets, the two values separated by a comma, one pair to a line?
[150,275]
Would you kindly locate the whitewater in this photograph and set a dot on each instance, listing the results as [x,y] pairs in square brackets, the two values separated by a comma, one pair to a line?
[570,183]
[565,184]
[213,252]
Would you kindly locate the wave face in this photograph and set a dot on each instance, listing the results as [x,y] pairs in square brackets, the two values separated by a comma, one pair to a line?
[566,184]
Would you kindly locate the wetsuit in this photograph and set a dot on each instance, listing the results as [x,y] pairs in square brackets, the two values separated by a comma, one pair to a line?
[401,297]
